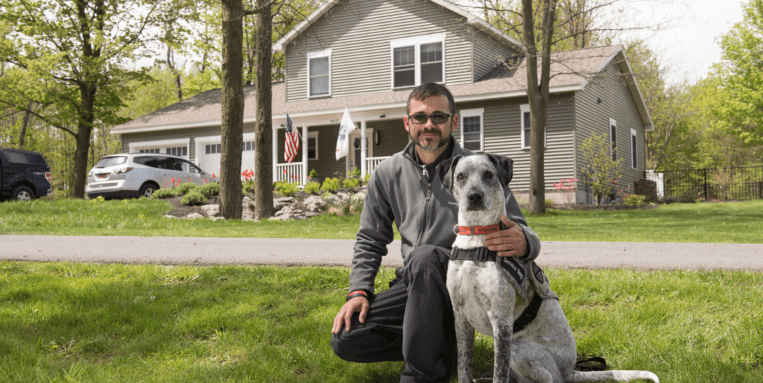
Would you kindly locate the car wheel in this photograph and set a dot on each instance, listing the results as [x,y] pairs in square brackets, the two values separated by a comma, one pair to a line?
[147,190]
[22,193]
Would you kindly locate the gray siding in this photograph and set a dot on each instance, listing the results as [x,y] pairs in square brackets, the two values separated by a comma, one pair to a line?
[487,54]
[503,136]
[616,103]
[359,34]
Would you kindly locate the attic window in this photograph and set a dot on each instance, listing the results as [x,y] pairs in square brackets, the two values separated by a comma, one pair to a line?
[418,60]
[319,71]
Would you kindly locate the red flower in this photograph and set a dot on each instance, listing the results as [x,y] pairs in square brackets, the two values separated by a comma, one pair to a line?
[205,180]
[173,180]
[213,175]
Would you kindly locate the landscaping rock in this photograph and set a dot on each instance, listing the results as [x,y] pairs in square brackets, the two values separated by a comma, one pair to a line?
[194,216]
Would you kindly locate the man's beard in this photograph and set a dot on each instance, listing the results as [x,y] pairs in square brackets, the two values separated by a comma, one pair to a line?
[442,142]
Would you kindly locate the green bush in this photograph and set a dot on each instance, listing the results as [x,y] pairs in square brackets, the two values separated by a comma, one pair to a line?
[185,188]
[368,177]
[312,188]
[313,174]
[287,189]
[193,197]
[331,185]
[635,200]
[163,193]
[209,190]
[355,171]
[550,202]
[248,187]
[352,183]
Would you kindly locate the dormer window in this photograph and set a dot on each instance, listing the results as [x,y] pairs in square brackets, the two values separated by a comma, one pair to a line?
[319,71]
[418,60]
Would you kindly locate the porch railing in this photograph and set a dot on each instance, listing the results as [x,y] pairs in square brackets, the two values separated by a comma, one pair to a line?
[288,172]
[371,163]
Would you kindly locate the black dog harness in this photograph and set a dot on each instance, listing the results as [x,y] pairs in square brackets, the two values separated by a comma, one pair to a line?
[513,268]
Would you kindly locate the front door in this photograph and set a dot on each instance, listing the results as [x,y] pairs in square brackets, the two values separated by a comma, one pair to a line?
[355,157]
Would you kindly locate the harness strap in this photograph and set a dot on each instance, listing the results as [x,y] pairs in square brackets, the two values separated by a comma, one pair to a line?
[528,314]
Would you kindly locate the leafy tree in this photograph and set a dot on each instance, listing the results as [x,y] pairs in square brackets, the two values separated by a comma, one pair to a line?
[600,172]
[67,57]
[741,75]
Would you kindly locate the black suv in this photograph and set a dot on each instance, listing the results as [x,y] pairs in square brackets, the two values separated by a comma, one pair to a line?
[24,175]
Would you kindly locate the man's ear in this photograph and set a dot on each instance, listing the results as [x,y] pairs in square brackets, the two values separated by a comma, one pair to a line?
[504,165]
[445,170]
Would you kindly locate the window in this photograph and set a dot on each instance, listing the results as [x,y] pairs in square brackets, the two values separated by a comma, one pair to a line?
[319,72]
[247,146]
[213,149]
[613,138]
[156,151]
[634,150]
[526,127]
[472,133]
[312,145]
[418,60]
[179,151]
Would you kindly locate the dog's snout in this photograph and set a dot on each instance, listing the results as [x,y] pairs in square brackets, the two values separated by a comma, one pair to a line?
[475,197]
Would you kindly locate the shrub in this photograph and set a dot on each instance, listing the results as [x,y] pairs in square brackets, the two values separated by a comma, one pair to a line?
[331,185]
[248,187]
[312,187]
[163,193]
[550,202]
[313,173]
[193,197]
[185,188]
[635,200]
[352,183]
[355,171]
[288,189]
[368,177]
[209,190]
[356,203]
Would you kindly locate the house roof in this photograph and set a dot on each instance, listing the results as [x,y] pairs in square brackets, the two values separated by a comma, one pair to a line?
[570,71]
[471,19]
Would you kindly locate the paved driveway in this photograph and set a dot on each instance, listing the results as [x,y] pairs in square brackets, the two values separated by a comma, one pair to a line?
[329,252]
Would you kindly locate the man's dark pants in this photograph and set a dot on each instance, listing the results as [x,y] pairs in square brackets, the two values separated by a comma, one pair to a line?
[411,321]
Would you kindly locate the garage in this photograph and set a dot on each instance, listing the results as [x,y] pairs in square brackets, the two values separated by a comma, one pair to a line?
[208,152]
[177,147]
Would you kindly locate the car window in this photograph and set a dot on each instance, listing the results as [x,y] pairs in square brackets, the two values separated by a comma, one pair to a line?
[165,163]
[190,167]
[146,160]
[107,162]
[17,157]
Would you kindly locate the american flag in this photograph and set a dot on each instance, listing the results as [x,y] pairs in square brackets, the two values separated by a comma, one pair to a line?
[292,141]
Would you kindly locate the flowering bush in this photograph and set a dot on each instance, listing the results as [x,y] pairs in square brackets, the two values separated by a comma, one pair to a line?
[568,188]
[248,174]
[248,187]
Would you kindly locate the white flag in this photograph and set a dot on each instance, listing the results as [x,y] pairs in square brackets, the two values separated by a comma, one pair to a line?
[343,139]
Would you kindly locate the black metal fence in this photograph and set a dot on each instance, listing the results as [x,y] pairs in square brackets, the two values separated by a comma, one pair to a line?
[730,183]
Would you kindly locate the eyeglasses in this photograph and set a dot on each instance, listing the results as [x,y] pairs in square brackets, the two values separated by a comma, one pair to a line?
[437,118]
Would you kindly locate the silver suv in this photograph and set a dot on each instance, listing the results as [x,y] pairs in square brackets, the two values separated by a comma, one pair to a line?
[136,175]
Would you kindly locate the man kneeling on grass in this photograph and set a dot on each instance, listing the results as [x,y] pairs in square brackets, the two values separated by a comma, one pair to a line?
[413,321]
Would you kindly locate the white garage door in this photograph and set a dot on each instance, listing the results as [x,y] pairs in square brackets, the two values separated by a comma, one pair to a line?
[208,154]
[209,159]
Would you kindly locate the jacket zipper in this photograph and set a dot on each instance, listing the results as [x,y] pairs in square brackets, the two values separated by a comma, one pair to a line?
[426,204]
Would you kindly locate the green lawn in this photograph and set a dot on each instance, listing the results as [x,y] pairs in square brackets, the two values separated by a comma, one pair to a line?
[729,222]
[66,322]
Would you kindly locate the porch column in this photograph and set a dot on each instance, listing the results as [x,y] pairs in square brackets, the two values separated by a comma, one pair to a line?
[304,155]
[363,149]
[275,153]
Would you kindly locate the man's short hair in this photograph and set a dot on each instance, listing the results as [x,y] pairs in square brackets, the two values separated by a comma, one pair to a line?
[428,89]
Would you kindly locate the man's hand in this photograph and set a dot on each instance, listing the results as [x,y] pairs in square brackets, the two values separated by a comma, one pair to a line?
[345,314]
[508,243]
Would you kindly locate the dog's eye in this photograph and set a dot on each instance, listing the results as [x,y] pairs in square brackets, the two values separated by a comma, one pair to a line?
[488,175]
[460,176]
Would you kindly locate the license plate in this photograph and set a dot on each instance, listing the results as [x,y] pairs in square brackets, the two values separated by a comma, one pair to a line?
[101,176]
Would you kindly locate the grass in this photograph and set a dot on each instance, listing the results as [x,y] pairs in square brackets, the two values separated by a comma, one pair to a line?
[729,222]
[62,322]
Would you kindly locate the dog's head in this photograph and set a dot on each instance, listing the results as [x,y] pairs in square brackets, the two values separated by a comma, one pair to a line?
[477,181]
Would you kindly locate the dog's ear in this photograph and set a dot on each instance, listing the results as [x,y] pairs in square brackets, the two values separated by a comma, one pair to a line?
[504,165]
[445,170]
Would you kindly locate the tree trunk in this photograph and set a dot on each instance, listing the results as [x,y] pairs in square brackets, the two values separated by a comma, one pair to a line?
[25,124]
[232,111]
[263,131]
[84,130]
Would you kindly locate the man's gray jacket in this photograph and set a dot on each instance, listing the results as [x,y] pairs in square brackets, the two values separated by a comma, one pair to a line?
[399,191]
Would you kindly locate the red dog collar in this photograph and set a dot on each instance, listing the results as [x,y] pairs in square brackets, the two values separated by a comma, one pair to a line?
[479,230]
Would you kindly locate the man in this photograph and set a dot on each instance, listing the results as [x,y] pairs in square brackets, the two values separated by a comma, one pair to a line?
[413,320]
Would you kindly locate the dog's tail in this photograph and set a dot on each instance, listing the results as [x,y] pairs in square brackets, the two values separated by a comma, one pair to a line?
[613,375]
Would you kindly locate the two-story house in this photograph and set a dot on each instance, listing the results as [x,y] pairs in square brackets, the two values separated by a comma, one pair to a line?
[367,55]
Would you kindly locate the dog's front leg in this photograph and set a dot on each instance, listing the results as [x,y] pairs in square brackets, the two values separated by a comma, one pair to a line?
[465,343]
[502,332]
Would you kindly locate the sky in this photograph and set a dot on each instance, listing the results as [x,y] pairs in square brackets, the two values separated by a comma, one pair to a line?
[691,47]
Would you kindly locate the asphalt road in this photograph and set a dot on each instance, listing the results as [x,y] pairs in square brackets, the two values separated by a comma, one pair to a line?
[329,252]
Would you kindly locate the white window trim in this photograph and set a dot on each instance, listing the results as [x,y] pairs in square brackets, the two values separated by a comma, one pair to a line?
[161,144]
[525,108]
[612,123]
[416,42]
[313,135]
[315,55]
[634,151]
[473,113]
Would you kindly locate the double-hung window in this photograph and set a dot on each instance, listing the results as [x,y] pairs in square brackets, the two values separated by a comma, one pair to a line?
[524,111]
[312,145]
[634,150]
[418,60]
[319,73]
[472,131]
[613,138]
